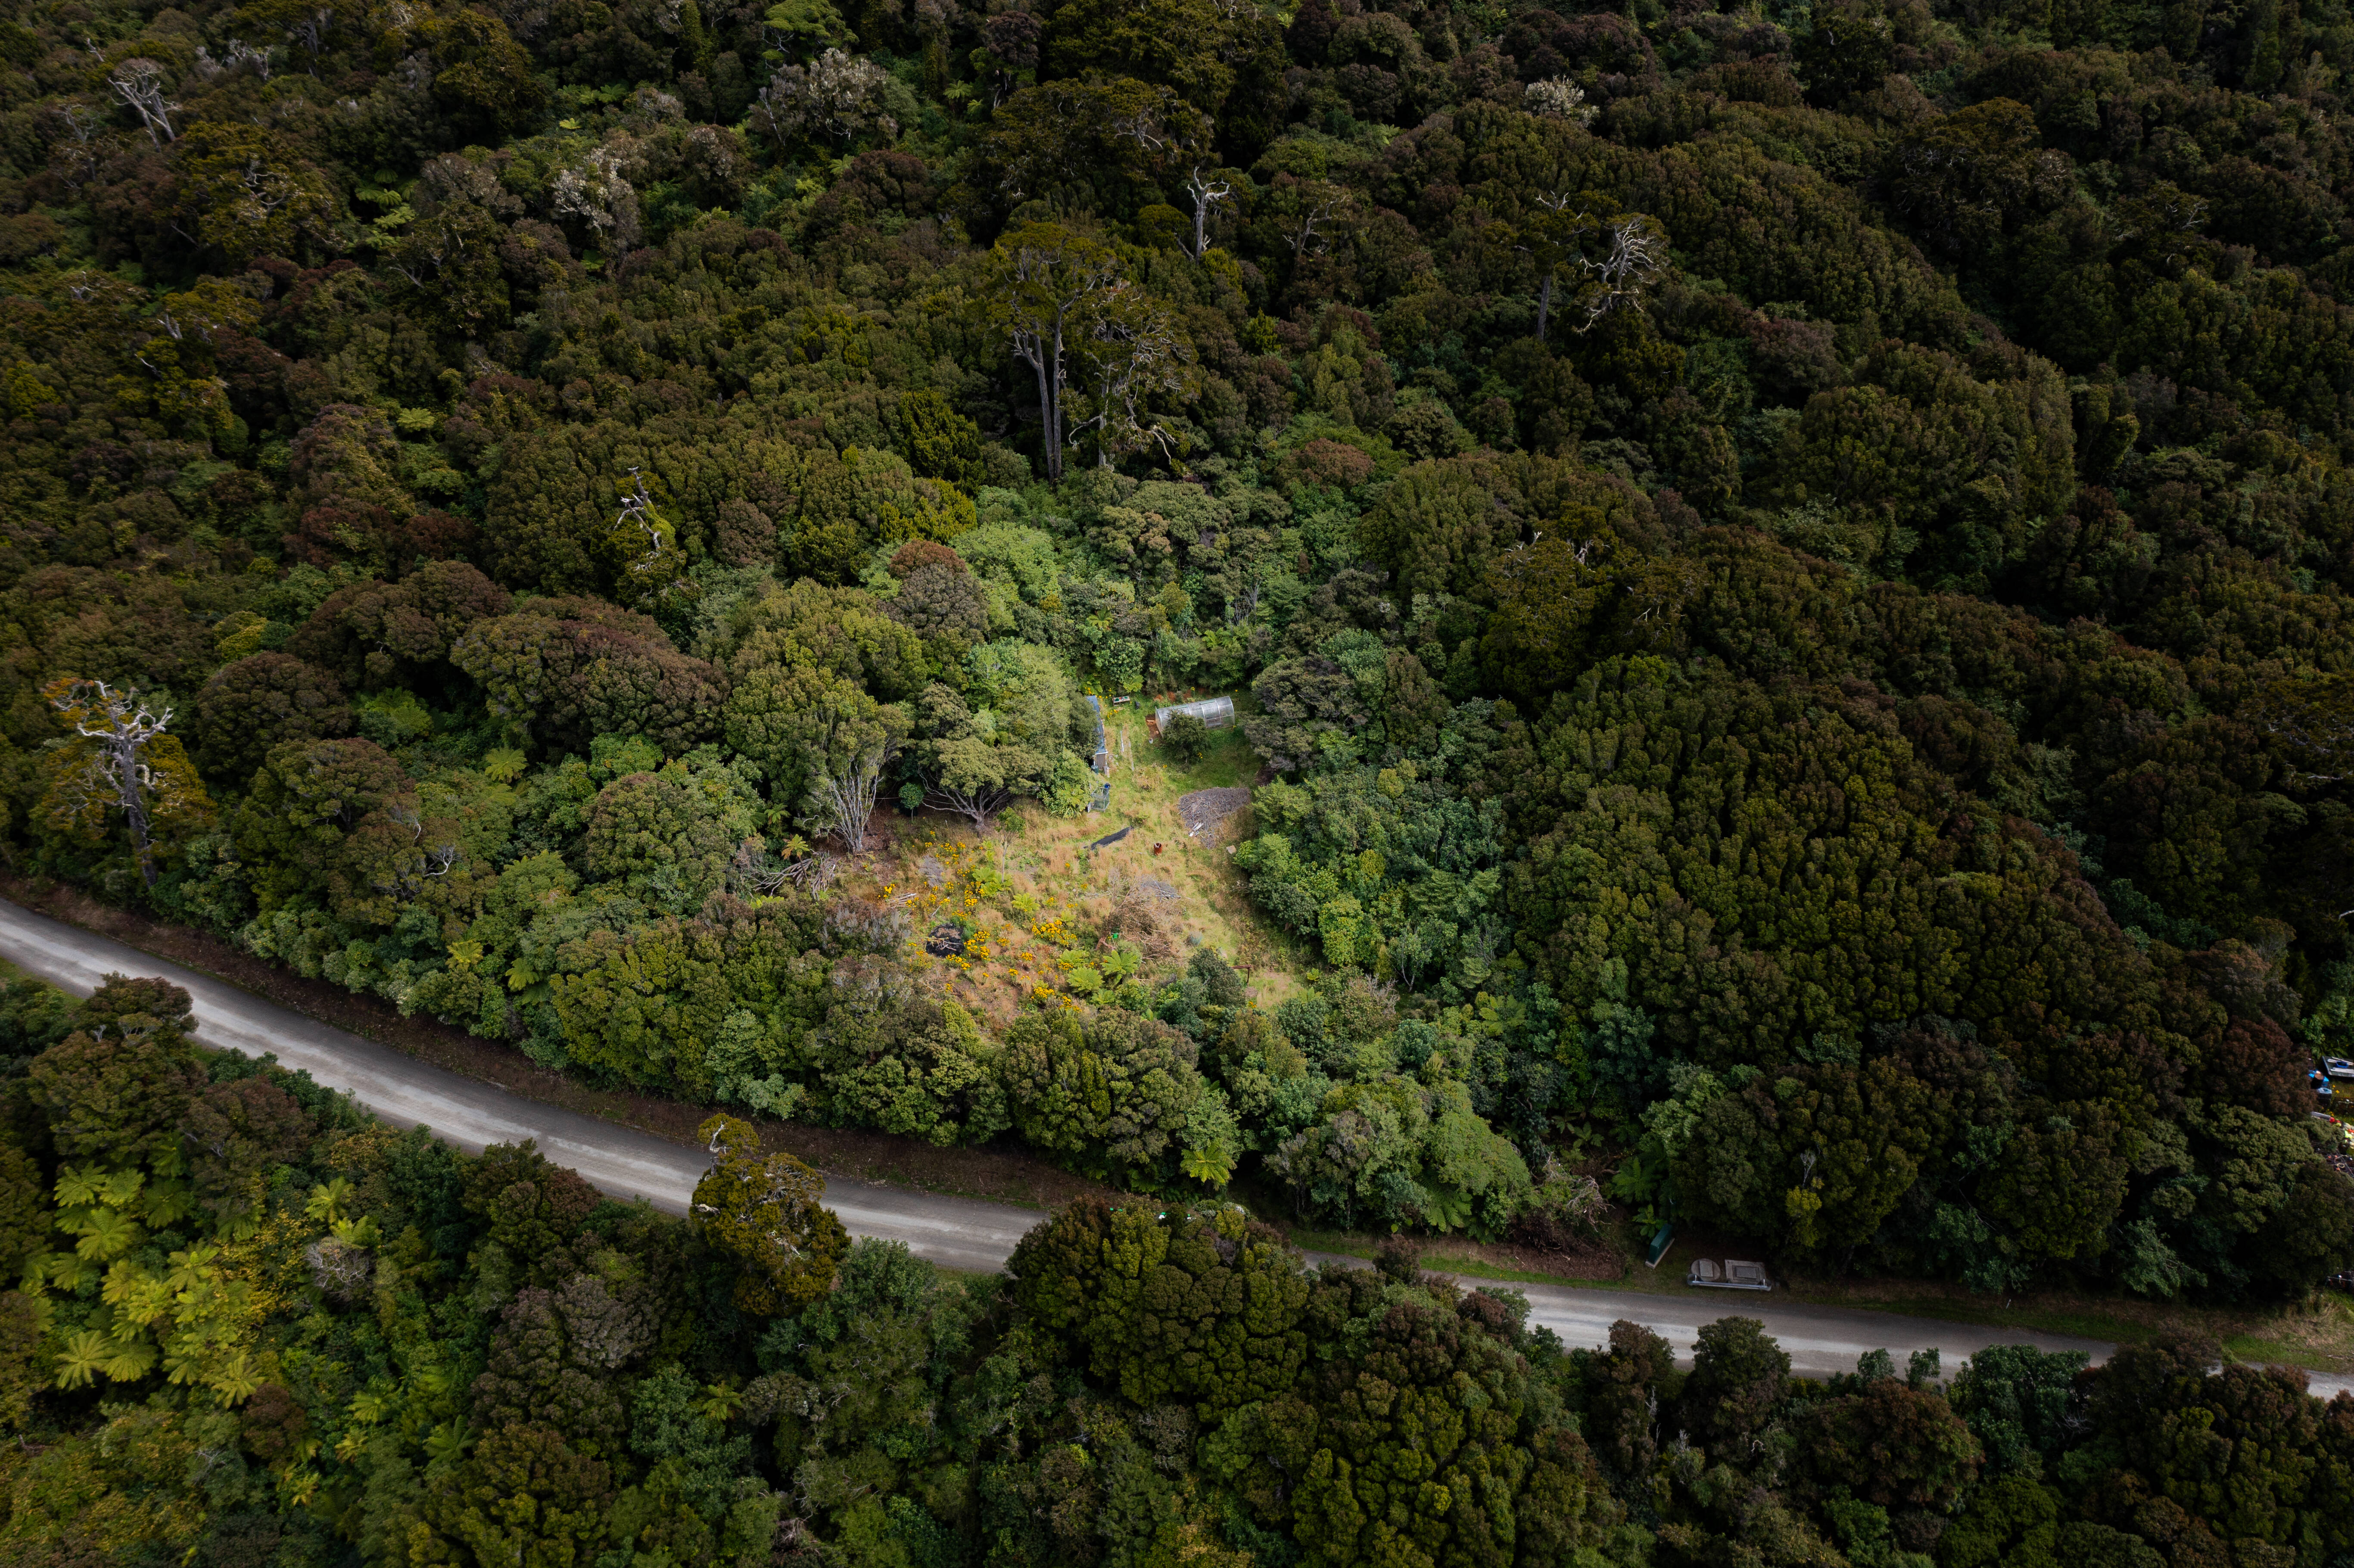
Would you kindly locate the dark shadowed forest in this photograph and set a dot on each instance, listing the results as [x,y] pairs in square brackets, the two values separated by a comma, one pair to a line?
[1785,575]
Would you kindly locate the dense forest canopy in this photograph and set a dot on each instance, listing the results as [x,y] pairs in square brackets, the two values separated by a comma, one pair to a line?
[1785,570]
[255,1328]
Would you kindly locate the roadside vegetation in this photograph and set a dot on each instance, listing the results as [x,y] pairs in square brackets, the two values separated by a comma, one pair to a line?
[253,1325]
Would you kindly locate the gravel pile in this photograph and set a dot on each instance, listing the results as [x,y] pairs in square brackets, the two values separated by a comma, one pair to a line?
[1205,809]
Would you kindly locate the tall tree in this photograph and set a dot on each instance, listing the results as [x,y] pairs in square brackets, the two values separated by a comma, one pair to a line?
[119,758]
[1046,282]
[764,1211]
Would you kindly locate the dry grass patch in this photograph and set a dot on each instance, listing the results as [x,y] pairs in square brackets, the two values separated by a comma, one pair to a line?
[1049,914]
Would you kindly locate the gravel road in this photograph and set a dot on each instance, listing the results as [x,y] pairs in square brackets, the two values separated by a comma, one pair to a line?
[959,1232]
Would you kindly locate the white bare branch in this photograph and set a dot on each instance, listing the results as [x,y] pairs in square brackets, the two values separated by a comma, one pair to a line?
[1208,194]
[122,728]
[139,83]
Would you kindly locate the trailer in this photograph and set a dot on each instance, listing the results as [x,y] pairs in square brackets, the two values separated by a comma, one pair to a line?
[1731,1275]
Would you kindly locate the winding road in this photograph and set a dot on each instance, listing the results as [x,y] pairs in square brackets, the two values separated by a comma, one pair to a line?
[959,1232]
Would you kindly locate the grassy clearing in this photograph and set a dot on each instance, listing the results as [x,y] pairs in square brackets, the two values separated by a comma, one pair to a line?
[1048,919]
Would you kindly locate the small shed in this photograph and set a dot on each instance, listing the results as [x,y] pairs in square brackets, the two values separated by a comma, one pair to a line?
[1217,713]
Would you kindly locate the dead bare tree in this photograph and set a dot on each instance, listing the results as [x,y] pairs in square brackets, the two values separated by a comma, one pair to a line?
[1634,252]
[638,512]
[1207,194]
[139,83]
[1613,259]
[115,774]
[1304,238]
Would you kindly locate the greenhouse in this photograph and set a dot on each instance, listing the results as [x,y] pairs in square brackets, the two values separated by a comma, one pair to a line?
[1218,713]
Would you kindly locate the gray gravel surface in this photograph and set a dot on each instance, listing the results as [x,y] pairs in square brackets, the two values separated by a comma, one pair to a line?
[1205,809]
